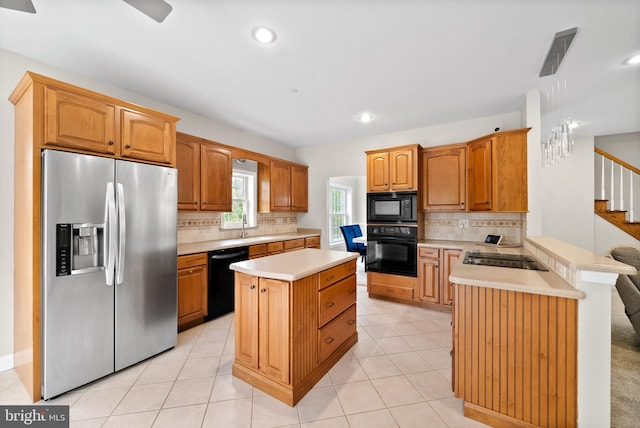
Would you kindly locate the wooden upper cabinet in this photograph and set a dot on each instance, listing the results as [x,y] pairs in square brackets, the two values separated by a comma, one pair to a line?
[390,170]
[403,169]
[378,172]
[299,188]
[283,186]
[444,178]
[85,121]
[79,122]
[216,171]
[497,172]
[480,174]
[188,164]
[146,137]
[280,186]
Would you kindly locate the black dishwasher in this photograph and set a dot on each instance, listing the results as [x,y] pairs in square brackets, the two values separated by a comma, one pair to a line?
[220,300]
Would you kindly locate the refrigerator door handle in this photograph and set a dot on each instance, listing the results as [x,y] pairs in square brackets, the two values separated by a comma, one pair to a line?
[122,227]
[110,242]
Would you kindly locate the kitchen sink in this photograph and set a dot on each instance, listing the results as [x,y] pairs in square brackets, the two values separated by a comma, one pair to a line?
[516,261]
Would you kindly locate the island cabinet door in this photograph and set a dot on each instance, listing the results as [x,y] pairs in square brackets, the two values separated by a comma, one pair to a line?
[246,319]
[273,324]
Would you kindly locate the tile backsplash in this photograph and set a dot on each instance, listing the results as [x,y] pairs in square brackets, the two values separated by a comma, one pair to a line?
[446,226]
[202,226]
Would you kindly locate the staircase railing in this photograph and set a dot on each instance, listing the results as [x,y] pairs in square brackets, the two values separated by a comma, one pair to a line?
[615,179]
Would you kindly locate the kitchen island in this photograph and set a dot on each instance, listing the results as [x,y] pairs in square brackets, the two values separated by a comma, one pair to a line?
[295,317]
[532,348]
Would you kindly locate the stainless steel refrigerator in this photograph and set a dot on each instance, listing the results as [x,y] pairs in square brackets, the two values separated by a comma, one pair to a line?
[109,273]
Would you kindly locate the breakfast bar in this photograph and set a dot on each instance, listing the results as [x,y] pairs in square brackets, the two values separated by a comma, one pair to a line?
[531,347]
[295,317]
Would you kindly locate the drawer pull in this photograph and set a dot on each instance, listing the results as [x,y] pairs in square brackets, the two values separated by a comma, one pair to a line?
[351,322]
[329,340]
[251,287]
[330,277]
[110,143]
[190,271]
[128,146]
[330,304]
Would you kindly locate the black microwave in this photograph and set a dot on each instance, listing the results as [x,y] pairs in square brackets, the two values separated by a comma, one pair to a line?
[392,207]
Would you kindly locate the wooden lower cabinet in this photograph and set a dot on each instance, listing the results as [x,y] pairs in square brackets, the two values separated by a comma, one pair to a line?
[277,247]
[288,334]
[312,242]
[515,357]
[192,290]
[434,268]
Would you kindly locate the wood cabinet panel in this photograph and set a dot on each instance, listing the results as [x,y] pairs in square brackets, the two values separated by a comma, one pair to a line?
[258,250]
[515,357]
[145,137]
[449,258]
[312,242]
[273,329]
[403,171]
[280,186]
[480,175]
[444,179]
[188,164]
[79,122]
[293,244]
[394,169]
[396,286]
[246,319]
[331,275]
[335,299]
[299,188]
[332,335]
[275,247]
[216,172]
[192,289]
[429,278]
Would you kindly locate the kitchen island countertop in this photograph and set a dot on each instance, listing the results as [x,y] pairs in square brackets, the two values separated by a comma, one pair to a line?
[293,265]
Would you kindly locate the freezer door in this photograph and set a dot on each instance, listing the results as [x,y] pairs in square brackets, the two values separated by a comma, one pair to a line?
[146,271]
[77,305]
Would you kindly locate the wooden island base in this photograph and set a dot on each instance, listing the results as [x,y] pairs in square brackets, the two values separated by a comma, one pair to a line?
[295,317]
[291,394]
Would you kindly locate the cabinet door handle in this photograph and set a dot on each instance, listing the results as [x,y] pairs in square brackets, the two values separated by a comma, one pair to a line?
[110,143]
[330,304]
[461,203]
[329,340]
[195,203]
[330,278]
[127,146]
[262,290]
[351,322]
[451,323]
[435,265]
[190,271]
[251,287]
[204,203]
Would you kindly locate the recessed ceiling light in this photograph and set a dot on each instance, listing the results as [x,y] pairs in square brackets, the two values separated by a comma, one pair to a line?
[264,35]
[365,117]
[634,59]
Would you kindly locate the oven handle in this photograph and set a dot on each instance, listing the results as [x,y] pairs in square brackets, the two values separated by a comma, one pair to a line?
[391,238]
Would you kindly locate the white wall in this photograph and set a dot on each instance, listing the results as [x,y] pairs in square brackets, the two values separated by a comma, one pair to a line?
[608,236]
[348,157]
[12,68]
[567,197]
[531,119]
[623,146]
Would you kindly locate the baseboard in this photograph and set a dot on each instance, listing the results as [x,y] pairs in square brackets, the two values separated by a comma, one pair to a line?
[6,362]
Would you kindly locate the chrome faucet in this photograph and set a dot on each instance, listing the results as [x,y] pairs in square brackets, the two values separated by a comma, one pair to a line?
[243,234]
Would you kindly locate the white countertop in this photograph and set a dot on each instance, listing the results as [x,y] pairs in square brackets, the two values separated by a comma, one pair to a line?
[295,264]
[529,281]
[221,244]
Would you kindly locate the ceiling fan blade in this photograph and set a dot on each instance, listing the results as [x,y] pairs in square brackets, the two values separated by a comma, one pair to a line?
[157,10]
[20,5]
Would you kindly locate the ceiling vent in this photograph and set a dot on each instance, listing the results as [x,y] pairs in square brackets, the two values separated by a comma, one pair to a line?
[557,51]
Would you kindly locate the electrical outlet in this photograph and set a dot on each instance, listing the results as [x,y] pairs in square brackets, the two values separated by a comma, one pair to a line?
[463,224]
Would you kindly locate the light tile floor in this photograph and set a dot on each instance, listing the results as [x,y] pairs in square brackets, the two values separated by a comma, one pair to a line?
[397,375]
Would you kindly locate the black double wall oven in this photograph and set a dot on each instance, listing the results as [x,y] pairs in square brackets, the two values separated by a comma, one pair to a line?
[392,233]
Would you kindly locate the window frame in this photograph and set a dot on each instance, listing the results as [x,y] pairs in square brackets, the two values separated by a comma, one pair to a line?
[335,235]
[250,179]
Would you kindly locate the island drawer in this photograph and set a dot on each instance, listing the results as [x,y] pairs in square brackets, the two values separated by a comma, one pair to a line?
[274,247]
[329,276]
[293,244]
[336,299]
[192,260]
[332,335]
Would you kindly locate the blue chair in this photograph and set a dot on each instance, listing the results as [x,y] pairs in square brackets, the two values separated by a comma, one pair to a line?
[349,232]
